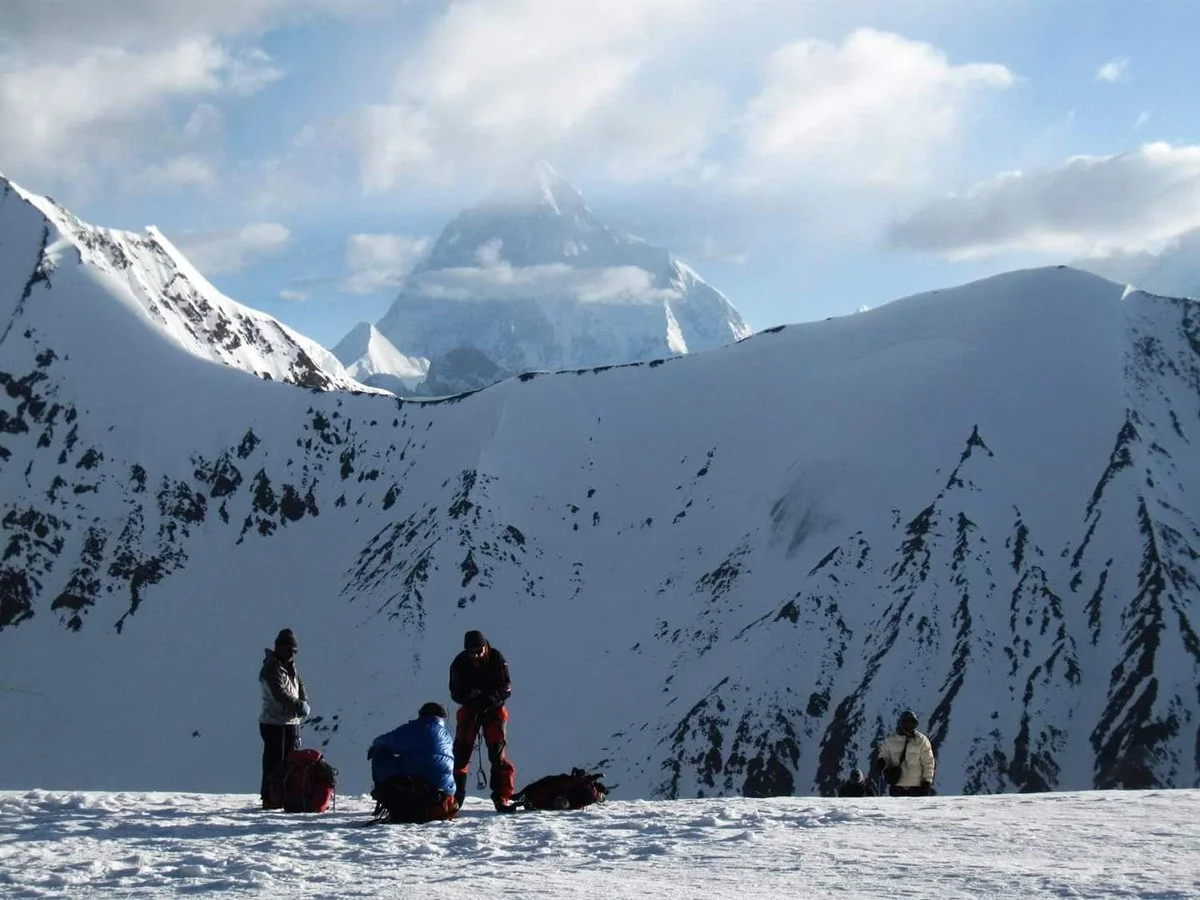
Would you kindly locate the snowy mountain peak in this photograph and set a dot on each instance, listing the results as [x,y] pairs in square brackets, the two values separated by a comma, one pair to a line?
[369,357]
[539,187]
[533,279]
[148,276]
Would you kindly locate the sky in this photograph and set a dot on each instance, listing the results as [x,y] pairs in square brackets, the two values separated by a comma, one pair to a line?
[1100,844]
[807,157]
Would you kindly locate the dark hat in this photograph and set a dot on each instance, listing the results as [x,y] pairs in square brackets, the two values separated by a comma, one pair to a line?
[473,640]
[432,709]
[908,717]
[285,638]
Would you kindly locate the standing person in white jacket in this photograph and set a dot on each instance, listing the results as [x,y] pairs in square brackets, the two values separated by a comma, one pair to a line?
[284,705]
[905,757]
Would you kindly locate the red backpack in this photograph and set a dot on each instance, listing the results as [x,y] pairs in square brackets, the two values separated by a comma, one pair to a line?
[303,782]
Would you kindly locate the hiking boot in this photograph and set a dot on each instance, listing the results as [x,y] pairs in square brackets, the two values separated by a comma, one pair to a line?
[503,806]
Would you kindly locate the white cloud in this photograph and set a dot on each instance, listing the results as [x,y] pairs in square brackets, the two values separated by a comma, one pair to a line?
[292,296]
[709,248]
[58,114]
[47,23]
[1115,71]
[180,171]
[495,81]
[231,250]
[1090,205]
[251,72]
[878,107]
[205,121]
[633,90]
[381,262]
[92,88]
[1142,120]
[556,281]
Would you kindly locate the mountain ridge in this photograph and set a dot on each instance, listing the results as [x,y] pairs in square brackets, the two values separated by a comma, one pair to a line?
[154,278]
[980,503]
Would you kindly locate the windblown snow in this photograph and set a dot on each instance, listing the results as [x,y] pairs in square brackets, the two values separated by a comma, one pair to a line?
[715,575]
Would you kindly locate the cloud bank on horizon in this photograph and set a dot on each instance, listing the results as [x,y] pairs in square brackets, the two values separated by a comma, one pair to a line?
[304,139]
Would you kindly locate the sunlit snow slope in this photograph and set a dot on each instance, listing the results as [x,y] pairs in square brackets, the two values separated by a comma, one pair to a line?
[41,242]
[721,574]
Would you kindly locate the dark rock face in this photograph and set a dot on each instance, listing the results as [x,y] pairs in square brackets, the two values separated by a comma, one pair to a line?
[461,370]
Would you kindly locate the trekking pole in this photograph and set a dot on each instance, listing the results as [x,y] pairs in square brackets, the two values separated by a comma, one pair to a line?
[481,777]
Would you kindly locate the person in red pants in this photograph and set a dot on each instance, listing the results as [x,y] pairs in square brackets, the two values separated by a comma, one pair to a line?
[480,685]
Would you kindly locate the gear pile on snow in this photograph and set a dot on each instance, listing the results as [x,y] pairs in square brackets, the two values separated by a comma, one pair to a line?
[573,791]
[304,782]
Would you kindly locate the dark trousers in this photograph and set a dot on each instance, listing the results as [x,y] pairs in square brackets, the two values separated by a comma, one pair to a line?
[916,791]
[278,742]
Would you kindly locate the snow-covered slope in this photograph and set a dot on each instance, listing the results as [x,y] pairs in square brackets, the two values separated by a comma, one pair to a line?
[982,503]
[369,357]
[149,276]
[1174,271]
[534,281]
[1103,844]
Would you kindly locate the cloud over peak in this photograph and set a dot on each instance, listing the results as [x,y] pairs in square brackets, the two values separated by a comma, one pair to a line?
[1090,205]
[230,250]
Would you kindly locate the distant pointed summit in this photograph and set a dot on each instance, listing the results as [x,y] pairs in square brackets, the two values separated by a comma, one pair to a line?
[537,186]
[531,278]
[369,357]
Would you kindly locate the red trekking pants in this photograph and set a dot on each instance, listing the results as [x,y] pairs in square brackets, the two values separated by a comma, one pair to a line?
[493,724]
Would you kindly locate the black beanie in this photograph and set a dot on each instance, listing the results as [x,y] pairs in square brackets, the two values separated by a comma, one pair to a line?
[285,638]
[432,709]
[472,640]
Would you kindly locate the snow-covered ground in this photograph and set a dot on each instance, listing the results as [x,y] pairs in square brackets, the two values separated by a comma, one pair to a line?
[1101,844]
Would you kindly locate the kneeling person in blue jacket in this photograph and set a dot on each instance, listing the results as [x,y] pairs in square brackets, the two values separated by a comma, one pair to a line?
[413,768]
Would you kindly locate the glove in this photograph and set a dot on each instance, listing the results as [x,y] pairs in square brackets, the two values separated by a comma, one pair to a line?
[305,709]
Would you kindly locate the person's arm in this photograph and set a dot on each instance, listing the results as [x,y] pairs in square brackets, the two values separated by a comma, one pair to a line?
[882,757]
[499,694]
[928,763]
[457,693]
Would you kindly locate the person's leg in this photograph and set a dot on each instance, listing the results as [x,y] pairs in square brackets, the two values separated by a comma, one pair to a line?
[503,772]
[273,753]
[465,732]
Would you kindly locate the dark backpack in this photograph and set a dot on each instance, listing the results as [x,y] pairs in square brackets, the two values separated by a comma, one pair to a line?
[406,799]
[303,782]
[574,791]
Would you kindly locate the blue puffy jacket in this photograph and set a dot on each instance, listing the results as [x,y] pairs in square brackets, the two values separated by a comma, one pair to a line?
[422,748]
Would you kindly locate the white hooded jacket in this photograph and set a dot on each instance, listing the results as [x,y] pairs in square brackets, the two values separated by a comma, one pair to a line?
[913,753]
